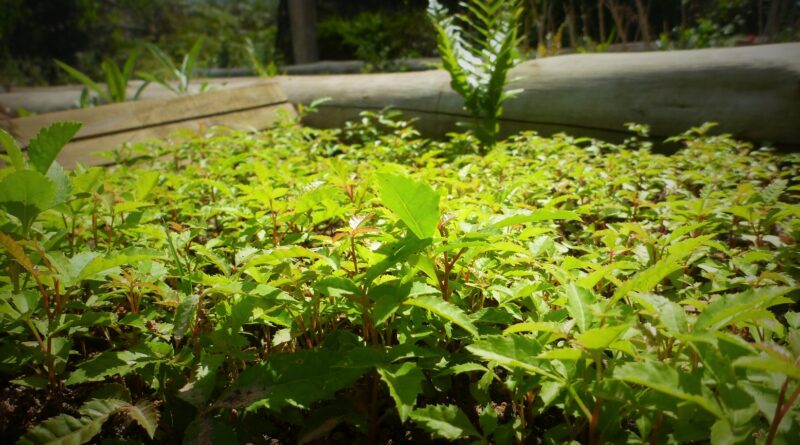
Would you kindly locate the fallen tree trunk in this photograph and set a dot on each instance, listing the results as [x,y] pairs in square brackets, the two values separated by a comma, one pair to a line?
[753,92]
[107,127]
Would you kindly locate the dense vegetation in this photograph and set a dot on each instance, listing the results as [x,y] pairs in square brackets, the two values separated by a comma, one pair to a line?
[367,285]
[83,33]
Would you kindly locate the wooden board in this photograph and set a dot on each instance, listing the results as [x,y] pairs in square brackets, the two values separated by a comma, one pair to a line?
[106,127]
[752,92]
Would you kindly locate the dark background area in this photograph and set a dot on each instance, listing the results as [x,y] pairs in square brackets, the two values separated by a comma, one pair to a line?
[84,32]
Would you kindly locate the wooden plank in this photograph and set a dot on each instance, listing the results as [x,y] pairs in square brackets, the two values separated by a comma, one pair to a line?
[85,151]
[130,116]
[752,92]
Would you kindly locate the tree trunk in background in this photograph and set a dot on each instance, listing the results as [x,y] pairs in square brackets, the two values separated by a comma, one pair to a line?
[569,10]
[644,24]
[303,18]
[601,20]
[778,11]
[619,22]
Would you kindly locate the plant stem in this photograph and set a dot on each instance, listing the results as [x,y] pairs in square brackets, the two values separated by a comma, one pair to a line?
[781,409]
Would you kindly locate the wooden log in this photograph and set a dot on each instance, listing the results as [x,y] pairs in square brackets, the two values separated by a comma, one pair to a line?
[107,127]
[752,92]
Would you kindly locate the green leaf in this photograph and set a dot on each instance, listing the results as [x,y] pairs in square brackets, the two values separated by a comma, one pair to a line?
[13,150]
[600,338]
[61,182]
[298,379]
[448,311]
[26,193]
[415,203]
[511,351]
[537,216]
[101,266]
[44,148]
[670,314]
[185,315]
[646,280]
[145,414]
[579,305]
[536,326]
[85,80]
[770,364]
[405,384]
[730,309]
[109,363]
[445,421]
[665,379]
[67,430]
[63,430]
[144,185]
[198,390]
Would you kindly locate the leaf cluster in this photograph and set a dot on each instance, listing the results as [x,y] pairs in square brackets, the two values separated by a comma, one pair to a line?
[291,286]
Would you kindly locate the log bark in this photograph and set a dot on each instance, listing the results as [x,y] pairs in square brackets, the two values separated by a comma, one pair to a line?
[753,92]
[107,127]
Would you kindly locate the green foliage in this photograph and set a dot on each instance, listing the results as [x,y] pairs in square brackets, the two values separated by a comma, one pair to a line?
[177,79]
[116,81]
[382,39]
[263,69]
[65,429]
[27,192]
[294,286]
[479,57]
[415,203]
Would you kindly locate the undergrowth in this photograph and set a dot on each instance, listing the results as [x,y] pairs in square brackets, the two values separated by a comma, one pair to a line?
[371,286]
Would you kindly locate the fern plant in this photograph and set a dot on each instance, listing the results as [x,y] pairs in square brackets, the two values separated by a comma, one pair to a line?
[478,49]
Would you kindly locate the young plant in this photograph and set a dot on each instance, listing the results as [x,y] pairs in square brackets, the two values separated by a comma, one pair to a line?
[116,78]
[263,69]
[178,79]
[478,49]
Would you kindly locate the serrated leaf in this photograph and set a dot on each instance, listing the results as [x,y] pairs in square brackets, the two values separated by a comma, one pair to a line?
[61,182]
[13,150]
[511,351]
[44,148]
[448,311]
[25,194]
[145,414]
[668,380]
[729,309]
[185,315]
[17,252]
[415,203]
[101,408]
[445,421]
[405,384]
[107,364]
[62,430]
